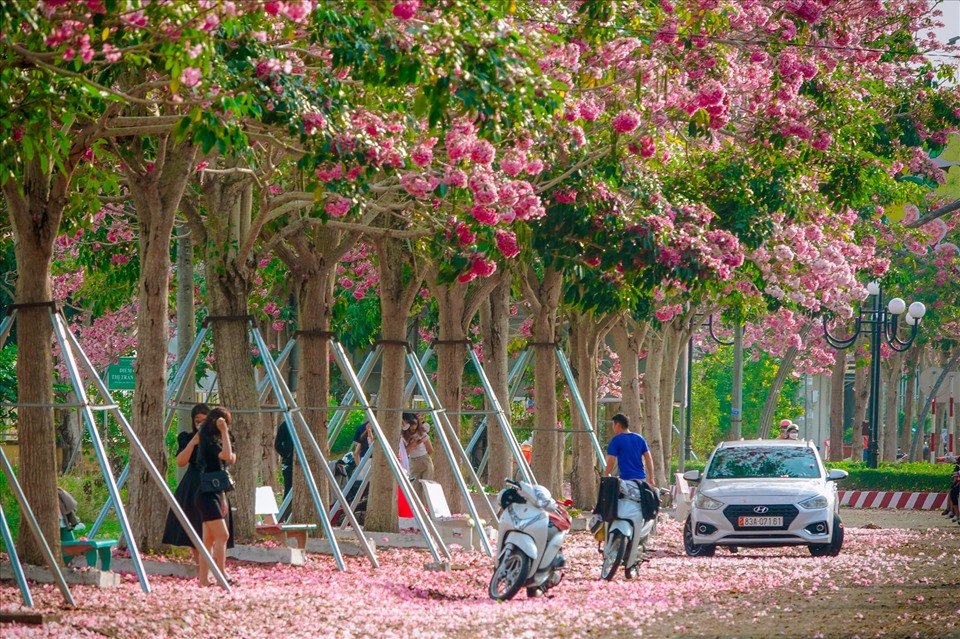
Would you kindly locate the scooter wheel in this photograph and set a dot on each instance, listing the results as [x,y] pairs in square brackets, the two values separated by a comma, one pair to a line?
[509,575]
[613,553]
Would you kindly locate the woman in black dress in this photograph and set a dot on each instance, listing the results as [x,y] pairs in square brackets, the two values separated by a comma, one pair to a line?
[215,453]
[173,532]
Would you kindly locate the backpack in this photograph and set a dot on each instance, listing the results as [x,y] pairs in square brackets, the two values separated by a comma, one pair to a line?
[649,501]
[607,498]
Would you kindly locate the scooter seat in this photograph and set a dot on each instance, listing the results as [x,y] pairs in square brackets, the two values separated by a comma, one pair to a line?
[560,519]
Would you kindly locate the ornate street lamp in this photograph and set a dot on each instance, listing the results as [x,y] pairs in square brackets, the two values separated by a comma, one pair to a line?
[883,323]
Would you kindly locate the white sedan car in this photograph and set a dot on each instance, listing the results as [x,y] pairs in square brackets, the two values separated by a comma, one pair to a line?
[764,493]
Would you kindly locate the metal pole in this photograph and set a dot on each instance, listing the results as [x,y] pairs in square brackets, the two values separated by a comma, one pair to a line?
[874,407]
[107,505]
[445,428]
[340,417]
[173,394]
[359,472]
[581,407]
[112,489]
[431,535]
[502,421]
[736,401]
[60,328]
[5,325]
[514,379]
[687,382]
[455,447]
[15,564]
[518,366]
[34,527]
[283,393]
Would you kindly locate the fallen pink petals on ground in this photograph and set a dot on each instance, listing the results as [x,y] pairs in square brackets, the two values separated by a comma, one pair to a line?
[402,599]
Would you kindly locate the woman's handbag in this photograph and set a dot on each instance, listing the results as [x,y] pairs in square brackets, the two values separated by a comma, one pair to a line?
[214,481]
[218,481]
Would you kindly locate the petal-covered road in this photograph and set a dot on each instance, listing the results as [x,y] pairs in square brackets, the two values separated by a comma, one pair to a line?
[675,596]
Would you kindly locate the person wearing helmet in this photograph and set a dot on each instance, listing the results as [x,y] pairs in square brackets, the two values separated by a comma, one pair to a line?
[793,431]
[784,425]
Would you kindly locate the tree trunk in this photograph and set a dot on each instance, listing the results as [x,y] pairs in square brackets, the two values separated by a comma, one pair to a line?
[773,394]
[495,326]
[893,368]
[673,338]
[186,322]
[909,398]
[627,343]
[547,439]
[228,289]
[652,399]
[397,291]
[156,194]
[861,396]
[451,360]
[35,428]
[586,335]
[315,308]
[35,207]
[228,294]
[312,257]
[837,375]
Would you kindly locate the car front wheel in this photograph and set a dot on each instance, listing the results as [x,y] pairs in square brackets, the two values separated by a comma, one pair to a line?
[692,549]
[831,549]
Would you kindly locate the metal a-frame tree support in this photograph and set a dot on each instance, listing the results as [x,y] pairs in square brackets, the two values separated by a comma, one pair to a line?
[178,387]
[34,526]
[361,473]
[514,380]
[446,433]
[70,353]
[287,406]
[428,529]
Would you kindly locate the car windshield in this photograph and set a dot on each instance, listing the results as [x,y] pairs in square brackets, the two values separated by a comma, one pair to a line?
[743,462]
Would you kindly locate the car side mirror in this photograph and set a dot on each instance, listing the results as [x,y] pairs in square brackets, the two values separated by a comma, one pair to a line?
[692,476]
[836,474]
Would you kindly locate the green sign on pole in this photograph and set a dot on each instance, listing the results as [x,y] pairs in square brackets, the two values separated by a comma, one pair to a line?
[120,375]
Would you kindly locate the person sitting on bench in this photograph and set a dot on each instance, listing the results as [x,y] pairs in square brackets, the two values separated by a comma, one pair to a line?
[68,511]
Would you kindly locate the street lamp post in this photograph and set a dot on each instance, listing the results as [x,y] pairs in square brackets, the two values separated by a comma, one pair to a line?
[883,324]
[737,394]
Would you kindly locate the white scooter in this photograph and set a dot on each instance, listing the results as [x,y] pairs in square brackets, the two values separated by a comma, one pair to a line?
[625,538]
[532,529]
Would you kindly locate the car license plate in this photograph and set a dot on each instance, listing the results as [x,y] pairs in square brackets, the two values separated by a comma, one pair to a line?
[761,522]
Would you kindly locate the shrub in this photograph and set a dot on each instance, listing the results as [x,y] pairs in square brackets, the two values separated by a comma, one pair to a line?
[904,477]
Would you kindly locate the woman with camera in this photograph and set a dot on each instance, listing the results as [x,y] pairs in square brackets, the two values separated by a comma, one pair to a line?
[215,454]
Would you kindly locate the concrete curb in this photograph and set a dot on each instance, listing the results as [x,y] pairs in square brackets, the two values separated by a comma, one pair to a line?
[85,577]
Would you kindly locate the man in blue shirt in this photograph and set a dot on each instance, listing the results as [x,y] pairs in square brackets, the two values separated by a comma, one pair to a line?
[629,451]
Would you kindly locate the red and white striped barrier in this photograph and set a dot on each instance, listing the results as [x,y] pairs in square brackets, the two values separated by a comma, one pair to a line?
[893,500]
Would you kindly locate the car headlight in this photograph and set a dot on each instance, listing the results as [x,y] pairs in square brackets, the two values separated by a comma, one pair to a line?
[814,503]
[707,503]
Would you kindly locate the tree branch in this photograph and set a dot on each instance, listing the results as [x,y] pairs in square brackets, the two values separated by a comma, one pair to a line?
[930,216]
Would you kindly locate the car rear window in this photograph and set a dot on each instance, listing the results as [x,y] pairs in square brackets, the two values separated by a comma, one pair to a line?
[756,462]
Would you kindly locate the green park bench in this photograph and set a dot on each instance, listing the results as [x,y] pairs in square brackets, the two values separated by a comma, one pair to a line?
[92,549]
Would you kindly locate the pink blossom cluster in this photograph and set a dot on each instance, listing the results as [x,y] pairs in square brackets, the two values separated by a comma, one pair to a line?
[356,273]
[608,379]
[816,269]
